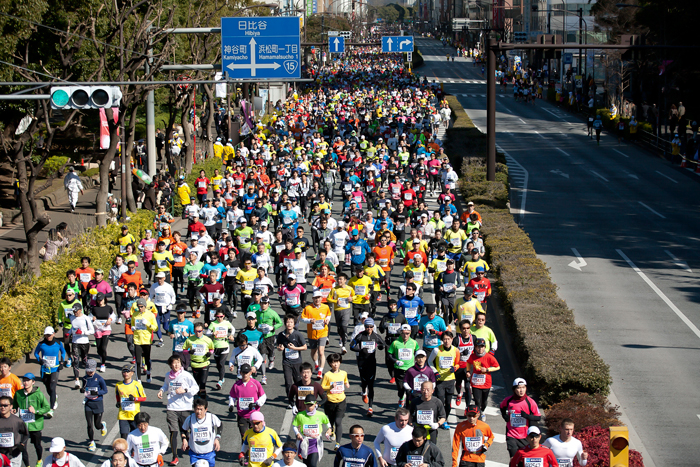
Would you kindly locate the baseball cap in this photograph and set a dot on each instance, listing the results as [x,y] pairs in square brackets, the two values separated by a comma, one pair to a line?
[292,276]
[405,327]
[469,291]
[128,367]
[364,315]
[160,274]
[479,341]
[355,232]
[421,352]
[318,293]
[265,300]
[245,368]
[49,330]
[472,410]
[181,310]
[57,445]
[99,271]
[30,376]
[143,291]
[470,203]
[251,314]
[256,416]
[140,302]
[99,296]
[91,365]
[519,381]
[391,301]
[479,269]
[297,250]
[309,401]
[533,430]
[369,322]
[341,224]
[258,235]
[77,306]
[416,240]
[256,292]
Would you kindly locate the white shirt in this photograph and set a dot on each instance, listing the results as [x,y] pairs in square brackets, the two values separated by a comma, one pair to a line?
[180,402]
[339,238]
[86,328]
[392,438]
[249,355]
[68,460]
[295,463]
[565,451]
[157,444]
[163,295]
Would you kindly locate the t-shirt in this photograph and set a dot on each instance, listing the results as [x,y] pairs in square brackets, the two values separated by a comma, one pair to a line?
[425,412]
[147,446]
[289,355]
[202,432]
[334,385]
[564,452]
[311,426]
[481,380]
[128,409]
[262,444]
[9,385]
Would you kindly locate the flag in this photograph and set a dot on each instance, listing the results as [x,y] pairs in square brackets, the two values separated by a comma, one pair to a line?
[104,127]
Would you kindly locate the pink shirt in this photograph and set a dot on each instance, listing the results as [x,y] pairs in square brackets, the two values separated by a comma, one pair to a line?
[244,394]
[292,297]
[516,427]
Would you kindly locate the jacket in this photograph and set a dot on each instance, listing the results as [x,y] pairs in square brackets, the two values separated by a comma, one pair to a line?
[34,399]
[428,453]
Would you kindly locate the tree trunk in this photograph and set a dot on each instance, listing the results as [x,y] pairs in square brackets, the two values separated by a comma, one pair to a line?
[32,225]
[101,202]
[189,146]
[129,195]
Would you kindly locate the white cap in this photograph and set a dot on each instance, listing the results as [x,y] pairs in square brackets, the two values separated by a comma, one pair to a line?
[519,381]
[57,445]
[318,293]
[341,224]
[364,315]
[49,330]
[533,429]
[470,203]
[261,224]
[292,276]
[160,274]
[251,314]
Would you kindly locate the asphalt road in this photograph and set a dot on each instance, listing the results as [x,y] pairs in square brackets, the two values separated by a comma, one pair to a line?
[618,229]
[69,421]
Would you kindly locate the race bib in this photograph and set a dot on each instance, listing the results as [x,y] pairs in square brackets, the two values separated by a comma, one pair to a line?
[84,277]
[201,435]
[248,285]
[415,461]
[564,462]
[340,242]
[162,263]
[299,272]
[291,354]
[383,262]
[408,196]
[258,455]
[292,300]
[411,312]
[152,247]
[396,190]
[442,266]
[473,444]
[50,361]
[418,382]
[369,346]
[481,296]
[517,421]
[337,387]
[448,287]
[360,290]
[220,332]
[343,302]
[7,440]
[122,248]
[160,297]
[418,276]
[393,328]
[311,431]
[127,405]
[199,350]
[244,402]
[318,325]
[177,258]
[325,292]
[405,354]
[446,362]
[533,462]
[202,184]
[279,248]
[26,416]
[357,250]
[211,296]
[139,325]
[424,417]
[478,379]
[456,241]
[393,453]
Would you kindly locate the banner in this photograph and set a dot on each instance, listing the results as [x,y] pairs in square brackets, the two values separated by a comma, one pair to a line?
[104,127]
[247,112]
[220,89]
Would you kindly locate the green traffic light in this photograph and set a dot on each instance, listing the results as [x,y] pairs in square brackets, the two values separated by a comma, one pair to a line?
[60,98]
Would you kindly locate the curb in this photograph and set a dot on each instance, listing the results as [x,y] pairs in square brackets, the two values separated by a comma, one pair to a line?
[59,197]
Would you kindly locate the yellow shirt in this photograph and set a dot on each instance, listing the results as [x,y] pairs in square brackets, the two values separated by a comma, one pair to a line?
[144,325]
[373,273]
[455,239]
[439,265]
[334,385]
[418,273]
[218,150]
[247,278]
[362,287]
[341,296]
[443,361]
[183,192]
[262,445]
[467,309]
[471,266]
[129,409]
[161,264]
[316,329]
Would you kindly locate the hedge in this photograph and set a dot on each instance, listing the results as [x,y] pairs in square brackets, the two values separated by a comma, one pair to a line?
[417,59]
[32,303]
[555,354]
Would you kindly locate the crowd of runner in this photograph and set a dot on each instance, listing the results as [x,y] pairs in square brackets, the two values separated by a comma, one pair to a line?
[315,212]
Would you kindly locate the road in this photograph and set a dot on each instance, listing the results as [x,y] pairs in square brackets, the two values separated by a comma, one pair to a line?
[618,229]
[277,416]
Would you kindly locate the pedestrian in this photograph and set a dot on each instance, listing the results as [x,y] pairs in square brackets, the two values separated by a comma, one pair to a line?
[94,388]
[32,407]
[74,187]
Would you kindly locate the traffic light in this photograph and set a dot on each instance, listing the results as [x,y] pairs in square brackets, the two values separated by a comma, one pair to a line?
[619,446]
[630,39]
[85,97]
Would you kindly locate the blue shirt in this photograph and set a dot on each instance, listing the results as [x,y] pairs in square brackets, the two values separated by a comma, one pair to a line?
[287,216]
[378,224]
[430,341]
[364,249]
[254,336]
[405,303]
[54,351]
[179,330]
[209,267]
[362,456]
[249,202]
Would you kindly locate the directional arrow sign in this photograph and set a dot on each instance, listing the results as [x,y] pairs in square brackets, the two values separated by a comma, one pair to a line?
[261,47]
[579,263]
[397,44]
[336,45]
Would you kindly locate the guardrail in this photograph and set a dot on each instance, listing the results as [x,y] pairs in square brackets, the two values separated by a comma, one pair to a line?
[656,143]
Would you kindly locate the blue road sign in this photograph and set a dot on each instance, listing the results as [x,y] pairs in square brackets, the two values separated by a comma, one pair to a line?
[568,58]
[397,44]
[261,47]
[336,45]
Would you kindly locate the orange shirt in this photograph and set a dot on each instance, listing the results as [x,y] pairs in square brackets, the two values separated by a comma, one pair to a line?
[178,249]
[9,385]
[384,257]
[316,314]
[83,274]
[324,284]
[464,218]
[126,278]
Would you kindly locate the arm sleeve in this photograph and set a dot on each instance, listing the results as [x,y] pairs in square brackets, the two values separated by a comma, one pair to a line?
[378,443]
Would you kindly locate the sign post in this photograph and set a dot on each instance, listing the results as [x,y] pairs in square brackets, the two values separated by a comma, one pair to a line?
[266,47]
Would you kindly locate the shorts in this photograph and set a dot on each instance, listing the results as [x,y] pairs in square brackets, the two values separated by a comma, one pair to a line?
[316,343]
[268,346]
[209,457]
[175,420]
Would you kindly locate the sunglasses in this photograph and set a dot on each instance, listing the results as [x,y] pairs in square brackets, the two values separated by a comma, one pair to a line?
[4,405]
[358,435]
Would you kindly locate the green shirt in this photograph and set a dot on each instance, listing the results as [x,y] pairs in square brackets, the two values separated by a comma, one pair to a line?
[192,271]
[220,332]
[34,399]
[270,318]
[311,425]
[404,359]
[199,345]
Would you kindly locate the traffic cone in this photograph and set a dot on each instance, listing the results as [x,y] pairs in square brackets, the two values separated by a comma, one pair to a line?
[82,162]
[683,163]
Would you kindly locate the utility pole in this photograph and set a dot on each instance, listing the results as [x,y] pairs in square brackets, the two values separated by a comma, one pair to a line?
[580,41]
[491,109]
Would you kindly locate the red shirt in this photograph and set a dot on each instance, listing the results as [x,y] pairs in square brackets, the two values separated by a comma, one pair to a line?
[540,457]
[202,185]
[196,227]
[411,254]
[481,380]
[408,197]
[482,288]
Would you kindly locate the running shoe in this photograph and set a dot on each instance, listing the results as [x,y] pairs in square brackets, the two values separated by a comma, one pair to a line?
[271,365]
[365,399]
[103,368]
[77,384]
[319,375]
[219,384]
[370,412]
[459,400]
[92,447]
[104,429]
[343,350]
[392,380]
[264,380]
[174,462]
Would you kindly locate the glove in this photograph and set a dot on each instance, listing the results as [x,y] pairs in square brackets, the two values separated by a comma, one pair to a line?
[78,331]
[242,460]
[269,461]
[433,426]
[119,405]
[132,398]
[160,459]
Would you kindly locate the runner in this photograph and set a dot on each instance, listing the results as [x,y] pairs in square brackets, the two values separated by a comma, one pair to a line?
[474,437]
[129,394]
[393,436]
[305,389]
[95,388]
[317,316]
[335,383]
[246,397]
[402,353]
[565,447]
[202,434]
[51,354]
[366,345]
[533,453]
[291,343]
[200,348]
[355,453]
[146,444]
[32,407]
[310,426]
[261,444]
[444,361]
[518,411]
[481,365]
[421,450]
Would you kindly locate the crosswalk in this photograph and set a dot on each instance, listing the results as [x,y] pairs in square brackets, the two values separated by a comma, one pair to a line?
[480,95]
[459,81]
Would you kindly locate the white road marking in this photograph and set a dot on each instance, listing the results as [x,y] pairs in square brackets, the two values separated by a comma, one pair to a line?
[580,262]
[538,134]
[599,175]
[631,175]
[678,262]
[494,464]
[547,110]
[564,152]
[619,152]
[522,120]
[559,172]
[100,454]
[523,188]
[666,176]
[286,423]
[661,295]
[660,215]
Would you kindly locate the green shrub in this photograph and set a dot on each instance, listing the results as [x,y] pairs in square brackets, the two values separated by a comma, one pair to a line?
[91,172]
[54,164]
[32,304]
[417,59]
[554,352]
[585,410]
